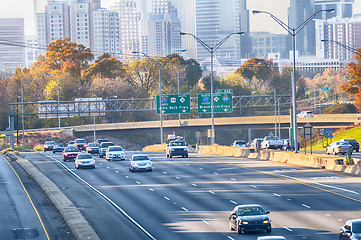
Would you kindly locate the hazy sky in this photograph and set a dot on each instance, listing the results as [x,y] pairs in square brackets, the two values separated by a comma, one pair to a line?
[25,9]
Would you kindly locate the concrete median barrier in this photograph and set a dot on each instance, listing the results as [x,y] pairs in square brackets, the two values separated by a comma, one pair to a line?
[321,161]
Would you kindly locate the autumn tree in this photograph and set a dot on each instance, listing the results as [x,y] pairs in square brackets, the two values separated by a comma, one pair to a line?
[353,86]
[105,66]
[143,74]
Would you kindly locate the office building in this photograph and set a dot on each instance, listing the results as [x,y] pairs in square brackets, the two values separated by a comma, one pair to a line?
[345,31]
[343,8]
[12,53]
[106,33]
[264,43]
[211,21]
[31,50]
[82,21]
[159,34]
[299,12]
[129,20]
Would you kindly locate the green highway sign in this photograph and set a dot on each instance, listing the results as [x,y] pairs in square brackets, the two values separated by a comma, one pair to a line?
[174,104]
[325,89]
[222,103]
[224,90]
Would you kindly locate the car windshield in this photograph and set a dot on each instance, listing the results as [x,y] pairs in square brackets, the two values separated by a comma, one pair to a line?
[115,149]
[250,211]
[59,145]
[356,227]
[93,145]
[272,138]
[72,149]
[240,142]
[85,156]
[177,144]
[50,143]
[106,145]
[140,158]
[80,141]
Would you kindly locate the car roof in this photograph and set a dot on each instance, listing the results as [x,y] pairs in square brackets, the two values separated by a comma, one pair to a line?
[248,205]
[354,221]
[138,155]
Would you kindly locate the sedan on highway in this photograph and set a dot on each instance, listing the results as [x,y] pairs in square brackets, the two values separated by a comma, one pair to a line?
[84,160]
[338,147]
[250,217]
[70,153]
[92,148]
[58,148]
[140,162]
[115,153]
[49,145]
[355,145]
[351,230]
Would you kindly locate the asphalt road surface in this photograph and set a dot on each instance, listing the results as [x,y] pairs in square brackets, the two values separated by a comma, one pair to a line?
[190,198]
[26,213]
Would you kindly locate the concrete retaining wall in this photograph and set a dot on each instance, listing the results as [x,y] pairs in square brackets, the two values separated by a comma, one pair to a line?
[322,161]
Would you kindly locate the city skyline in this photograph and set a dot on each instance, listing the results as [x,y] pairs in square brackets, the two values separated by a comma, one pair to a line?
[11,9]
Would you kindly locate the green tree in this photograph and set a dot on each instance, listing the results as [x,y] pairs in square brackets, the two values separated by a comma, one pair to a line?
[105,66]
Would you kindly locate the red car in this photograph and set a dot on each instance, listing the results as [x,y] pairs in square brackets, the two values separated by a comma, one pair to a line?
[70,153]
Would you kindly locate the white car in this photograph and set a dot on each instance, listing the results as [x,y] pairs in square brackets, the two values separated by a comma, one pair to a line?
[115,153]
[84,160]
[305,114]
[239,143]
[140,162]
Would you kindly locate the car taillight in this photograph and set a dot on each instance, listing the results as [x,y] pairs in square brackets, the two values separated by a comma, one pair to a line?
[339,147]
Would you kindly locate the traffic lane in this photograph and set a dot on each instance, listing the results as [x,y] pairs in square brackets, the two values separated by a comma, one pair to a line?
[355,154]
[192,175]
[99,213]
[336,224]
[224,219]
[19,218]
[188,224]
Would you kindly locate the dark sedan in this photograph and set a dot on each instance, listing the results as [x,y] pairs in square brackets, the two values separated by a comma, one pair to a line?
[351,230]
[355,145]
[58,148]
[250,217]
[70,153]
[92,148]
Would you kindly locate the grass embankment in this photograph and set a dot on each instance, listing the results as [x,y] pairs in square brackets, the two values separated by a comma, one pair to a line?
[354,133]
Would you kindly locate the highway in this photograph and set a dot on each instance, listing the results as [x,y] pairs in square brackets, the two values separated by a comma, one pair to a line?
[190,198]
[26,213]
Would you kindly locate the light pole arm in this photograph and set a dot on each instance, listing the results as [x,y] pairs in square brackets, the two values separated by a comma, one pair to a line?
[219,44]
[342,45]
[302,25]
[279,21]
[205,45]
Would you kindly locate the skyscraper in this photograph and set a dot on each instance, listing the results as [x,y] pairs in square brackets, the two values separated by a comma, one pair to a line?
[12,54]
[299,12]
[211,21]
[82,21]
[129,25]
[106,33]
[343,8]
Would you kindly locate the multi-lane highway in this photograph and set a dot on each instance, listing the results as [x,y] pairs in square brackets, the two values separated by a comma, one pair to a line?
[190,198]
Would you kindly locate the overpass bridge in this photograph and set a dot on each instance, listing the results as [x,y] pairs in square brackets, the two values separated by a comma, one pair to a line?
[230,123]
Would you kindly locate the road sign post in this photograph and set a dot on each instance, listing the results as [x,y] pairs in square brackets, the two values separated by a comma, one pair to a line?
[174,104]
[222,102]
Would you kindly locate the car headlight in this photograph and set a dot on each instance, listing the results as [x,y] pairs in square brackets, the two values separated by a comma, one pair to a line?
[265,221]
[134,164]
[244,222]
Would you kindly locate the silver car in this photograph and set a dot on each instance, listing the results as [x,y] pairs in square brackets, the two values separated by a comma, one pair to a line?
[84,160]
[338,147]
[140,162]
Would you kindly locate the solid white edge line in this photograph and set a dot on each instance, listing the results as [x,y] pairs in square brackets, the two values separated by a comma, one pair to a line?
[107,199]
[306,206]
[288,229]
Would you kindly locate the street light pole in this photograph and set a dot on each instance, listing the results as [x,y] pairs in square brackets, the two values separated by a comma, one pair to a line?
[178,77]
[293,32]
[211,50]
[159,65]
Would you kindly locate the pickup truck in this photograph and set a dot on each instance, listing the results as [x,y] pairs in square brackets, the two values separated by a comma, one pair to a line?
[176,148]
[271,142]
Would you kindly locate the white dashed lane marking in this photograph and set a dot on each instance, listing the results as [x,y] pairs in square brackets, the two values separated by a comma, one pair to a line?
[306,206]
[235,203]
[185,209]
[288,229]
